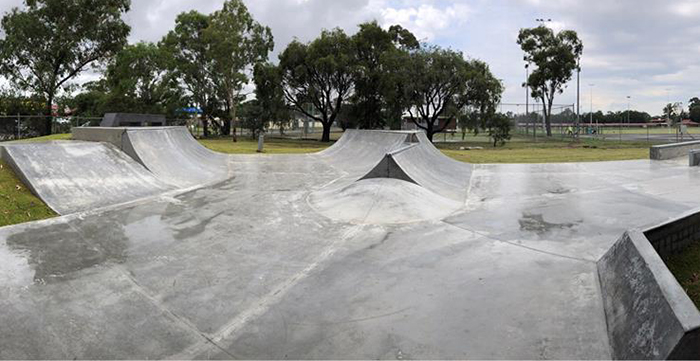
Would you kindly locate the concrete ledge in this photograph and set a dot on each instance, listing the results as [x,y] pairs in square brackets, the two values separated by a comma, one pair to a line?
[694,158]
[648,313]
[674,150]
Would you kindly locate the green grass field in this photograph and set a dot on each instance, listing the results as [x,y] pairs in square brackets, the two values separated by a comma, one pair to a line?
[686,267]
[17,203]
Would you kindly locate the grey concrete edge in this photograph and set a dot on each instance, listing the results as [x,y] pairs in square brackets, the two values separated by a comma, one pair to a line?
[682,306]
[673,150]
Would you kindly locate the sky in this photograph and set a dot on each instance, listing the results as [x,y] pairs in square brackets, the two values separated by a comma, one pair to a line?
[646,50]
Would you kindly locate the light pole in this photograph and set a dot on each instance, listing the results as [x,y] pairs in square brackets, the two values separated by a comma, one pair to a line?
[591,113]
[578,96]
[527,98]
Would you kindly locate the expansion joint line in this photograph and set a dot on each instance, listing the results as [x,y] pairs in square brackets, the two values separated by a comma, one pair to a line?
[264,303]
[522,245]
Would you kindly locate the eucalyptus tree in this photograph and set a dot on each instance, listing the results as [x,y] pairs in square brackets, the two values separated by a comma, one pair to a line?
[318,76]
[377,53]
[48,43]
[237,43]
[556,57]
[212,56]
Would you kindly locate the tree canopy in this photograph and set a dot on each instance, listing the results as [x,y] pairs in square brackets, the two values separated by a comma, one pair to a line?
[318,76]
[49,42]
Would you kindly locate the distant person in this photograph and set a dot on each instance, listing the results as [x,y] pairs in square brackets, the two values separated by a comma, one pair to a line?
[570,131]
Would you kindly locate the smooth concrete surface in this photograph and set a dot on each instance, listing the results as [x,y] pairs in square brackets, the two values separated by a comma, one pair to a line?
[79,176]
[265,265]
[674,150]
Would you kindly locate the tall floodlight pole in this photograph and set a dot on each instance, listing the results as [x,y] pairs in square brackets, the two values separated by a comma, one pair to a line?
[591,113]
[578,96]
[527,98]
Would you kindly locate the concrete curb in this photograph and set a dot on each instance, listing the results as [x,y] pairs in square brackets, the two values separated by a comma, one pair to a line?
[674,150]
[649,315]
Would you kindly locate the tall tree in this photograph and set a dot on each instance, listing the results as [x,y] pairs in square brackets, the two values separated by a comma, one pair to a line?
[319,75]
[556,57]
[238,42]
[191,62]
[435,82]
[375,51]
[270,95]
[138,80]
[49,42]
[694,109]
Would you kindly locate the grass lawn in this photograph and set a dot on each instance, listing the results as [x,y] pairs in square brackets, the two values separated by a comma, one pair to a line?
[686,267]
[525,150]
[272,145]
[17,203]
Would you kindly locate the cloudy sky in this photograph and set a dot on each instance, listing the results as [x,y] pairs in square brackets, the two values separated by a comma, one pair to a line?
[646,49]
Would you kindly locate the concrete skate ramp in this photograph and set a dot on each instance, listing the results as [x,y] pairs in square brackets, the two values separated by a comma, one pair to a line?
[171,153]
[360,150]
[423,164]
[77,176]
[382,201]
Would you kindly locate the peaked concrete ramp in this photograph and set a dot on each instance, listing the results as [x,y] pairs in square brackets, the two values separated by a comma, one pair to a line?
[171,153]
[358,151]
[78,176]
[407,156]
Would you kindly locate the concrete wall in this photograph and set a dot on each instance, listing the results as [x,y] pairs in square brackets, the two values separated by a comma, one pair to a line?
[673,236]
[670,151]
[649,315]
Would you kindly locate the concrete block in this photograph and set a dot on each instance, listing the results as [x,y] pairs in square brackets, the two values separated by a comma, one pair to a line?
[648,313]
[674,150]
[132,120]
[694,157]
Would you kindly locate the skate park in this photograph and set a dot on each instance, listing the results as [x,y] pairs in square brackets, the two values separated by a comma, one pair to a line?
[377,247]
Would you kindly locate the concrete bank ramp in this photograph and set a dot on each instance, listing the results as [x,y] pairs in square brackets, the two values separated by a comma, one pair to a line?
[171,153]
[71,176]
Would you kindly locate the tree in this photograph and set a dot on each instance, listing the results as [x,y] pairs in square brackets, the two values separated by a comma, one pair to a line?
[694,109]
[270,95]
[237,43]
[435,81]
[375,79]
[49,42]
[251,114]
[556,57]
[317,77]
[498,128]
[138,81]
[191,63]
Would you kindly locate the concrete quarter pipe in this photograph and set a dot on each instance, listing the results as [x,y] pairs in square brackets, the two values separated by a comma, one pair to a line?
[377,248]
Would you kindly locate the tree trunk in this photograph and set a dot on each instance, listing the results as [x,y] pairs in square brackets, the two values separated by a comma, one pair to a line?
[547,124]
[205,127]
[326,131]
[49,116]
[234,105]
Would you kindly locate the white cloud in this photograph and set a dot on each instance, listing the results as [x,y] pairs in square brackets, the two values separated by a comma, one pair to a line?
[426,21]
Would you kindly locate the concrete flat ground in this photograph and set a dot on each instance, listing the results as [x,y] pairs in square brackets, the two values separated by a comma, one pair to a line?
[256,266]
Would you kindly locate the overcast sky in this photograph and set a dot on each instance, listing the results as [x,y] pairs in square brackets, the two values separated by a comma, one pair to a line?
[646,49]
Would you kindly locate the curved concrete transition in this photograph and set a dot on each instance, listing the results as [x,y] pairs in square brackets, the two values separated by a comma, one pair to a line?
[78,176]
[376,248]
[171,153]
